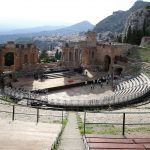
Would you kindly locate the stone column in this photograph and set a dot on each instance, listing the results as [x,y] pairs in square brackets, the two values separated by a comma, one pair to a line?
[74,58]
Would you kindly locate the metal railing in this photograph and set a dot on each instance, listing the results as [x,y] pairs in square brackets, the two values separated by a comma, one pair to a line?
[37,115]
[120,123]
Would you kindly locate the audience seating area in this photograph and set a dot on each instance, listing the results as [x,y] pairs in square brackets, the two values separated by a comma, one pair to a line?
[25,131]
[126,91]
[21,135]
[134,87]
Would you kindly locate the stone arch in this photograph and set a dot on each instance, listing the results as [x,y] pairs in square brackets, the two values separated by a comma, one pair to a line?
[70,56]
[9,59]
[66,44]
[118,71]
[25,58]
[32,57]
[107,62]
[80,55]
[76,54]
[93,54]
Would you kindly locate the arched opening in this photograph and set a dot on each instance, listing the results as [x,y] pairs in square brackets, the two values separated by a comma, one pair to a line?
[25,59]
[9,59]
[92,55]
[120,59]
[70,56]
[118,71]
[67,45]
[32,58]
[76,55]
[107,62]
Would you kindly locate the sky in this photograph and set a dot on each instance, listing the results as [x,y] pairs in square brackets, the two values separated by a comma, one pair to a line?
[33,13]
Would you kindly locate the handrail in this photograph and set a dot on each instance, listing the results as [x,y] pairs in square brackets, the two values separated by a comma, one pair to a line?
[62,115]
[113,123]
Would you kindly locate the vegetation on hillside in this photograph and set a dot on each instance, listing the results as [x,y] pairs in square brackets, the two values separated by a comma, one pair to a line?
[142,54]
[134,36]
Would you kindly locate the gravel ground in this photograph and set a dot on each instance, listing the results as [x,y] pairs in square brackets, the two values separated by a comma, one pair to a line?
[116,117]
[47,116]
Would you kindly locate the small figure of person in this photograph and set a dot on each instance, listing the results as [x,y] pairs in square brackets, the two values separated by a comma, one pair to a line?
[10,85]
[93,84]
[106,81]
[101,84]
[86,82]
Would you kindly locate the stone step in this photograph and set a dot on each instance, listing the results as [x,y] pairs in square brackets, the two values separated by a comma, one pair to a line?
[19,135]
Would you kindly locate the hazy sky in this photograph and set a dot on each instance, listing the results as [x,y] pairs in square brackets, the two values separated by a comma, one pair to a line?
[28,13]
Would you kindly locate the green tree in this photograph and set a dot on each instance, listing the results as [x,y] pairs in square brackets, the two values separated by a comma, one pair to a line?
[119,38]
[139,36]
[44,56]
[144,27]
[134,36]
[129,34]
[125,39]
[57,55]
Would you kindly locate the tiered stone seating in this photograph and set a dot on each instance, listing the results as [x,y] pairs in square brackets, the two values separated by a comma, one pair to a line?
[133,86]
[24,132]
[19,135]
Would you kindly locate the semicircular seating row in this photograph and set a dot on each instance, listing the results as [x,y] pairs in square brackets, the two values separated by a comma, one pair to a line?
[135,86]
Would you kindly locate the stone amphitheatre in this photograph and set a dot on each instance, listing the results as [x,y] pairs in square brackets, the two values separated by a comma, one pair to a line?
[97,83]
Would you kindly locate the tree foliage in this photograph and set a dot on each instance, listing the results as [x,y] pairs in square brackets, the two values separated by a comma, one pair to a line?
[119,38]
[45,58]
[135,35]
[57,55]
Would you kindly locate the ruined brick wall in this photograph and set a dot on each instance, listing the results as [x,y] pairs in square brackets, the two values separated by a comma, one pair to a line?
[20,53]
[93,53]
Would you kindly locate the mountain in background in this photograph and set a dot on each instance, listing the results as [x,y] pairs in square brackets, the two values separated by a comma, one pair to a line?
[29,33]
[79,27]
[32,30]
[116,22]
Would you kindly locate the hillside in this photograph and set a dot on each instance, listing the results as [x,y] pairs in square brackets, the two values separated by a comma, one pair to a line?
[79,27]
[116,22]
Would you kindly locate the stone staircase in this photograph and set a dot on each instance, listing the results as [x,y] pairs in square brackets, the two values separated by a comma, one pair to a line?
[19,135]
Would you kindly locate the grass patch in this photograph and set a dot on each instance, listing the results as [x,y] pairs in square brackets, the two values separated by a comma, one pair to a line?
[107,129]
[7,99]
[141,129]
[141,54]
[57,142]
[144,54]
[110,129]
[65,120]
[88,130]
